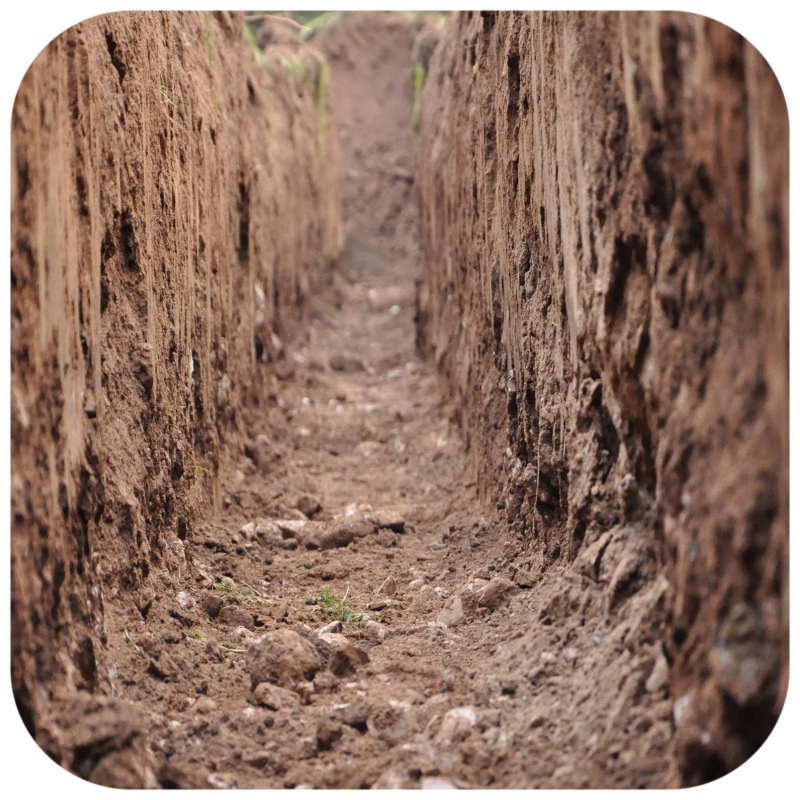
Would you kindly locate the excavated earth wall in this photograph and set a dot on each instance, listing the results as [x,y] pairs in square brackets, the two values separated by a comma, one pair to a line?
[174,202]
[604,203]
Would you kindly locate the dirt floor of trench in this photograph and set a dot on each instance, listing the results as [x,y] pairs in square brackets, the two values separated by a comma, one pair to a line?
[415,641]
[436,676]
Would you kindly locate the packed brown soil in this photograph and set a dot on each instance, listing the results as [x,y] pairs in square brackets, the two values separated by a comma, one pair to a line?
[262,539]
[605,218]
[173,205]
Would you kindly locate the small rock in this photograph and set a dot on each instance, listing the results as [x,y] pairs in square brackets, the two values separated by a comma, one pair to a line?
[282,657]
[308,504]
[221,780]
[659,677]
[570,655]
[391,778]
[497,593]
[288,544]
[453,612]
[331,627]
[204,705]
[356,716]
[234,616]
[546,657]
[334,639]
[329,731]
[338,537]
[211,603]
[375,631]
[344,530]
[258,758]
[248,530]
[436,782]
[343,363]
[346,659]
[388,587]
[305,689]
[290,528]
[457,724]
[379,603]
[525,580]
[276,698]
[390,518]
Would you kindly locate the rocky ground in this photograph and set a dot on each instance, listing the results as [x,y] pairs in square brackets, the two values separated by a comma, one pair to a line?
[358,621]
[404,538]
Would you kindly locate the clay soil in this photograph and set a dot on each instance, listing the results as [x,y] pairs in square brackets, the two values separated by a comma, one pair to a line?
[446,655]
[357,610]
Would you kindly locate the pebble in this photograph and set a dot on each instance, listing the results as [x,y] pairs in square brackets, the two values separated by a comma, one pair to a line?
[375,630]
[221,781]
[211,603]
[282,657]
[356,715]
[453,612]
[343,531]
[308,504]
[258,758]
[204,705]
[235,616]
[525,580]
[659,677]
[457,724]
[390,518]
[546,657]
[290,527]
[436,782]
[342,363]
[276,698]
[331,627]
[497,593]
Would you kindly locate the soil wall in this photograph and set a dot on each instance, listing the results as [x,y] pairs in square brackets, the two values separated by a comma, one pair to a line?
[604,204]
[174,202]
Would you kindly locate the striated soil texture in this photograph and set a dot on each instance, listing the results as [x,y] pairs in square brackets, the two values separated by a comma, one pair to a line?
[369,440]
[604,203]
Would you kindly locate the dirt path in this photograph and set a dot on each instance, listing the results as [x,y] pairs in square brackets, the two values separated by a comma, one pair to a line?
[454,664]
[357,618]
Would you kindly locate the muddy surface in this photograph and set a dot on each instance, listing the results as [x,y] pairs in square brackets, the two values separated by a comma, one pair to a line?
[351,562]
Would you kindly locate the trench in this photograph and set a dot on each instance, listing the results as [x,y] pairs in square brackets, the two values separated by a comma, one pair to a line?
[356,558]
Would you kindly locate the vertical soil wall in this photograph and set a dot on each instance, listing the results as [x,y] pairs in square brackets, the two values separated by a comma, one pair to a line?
[173,202]
[604,205]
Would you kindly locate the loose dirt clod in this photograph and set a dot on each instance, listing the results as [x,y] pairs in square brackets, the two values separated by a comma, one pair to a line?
[283,657]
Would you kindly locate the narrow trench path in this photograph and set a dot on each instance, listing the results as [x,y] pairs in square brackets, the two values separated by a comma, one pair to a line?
[412,640]
[436,658]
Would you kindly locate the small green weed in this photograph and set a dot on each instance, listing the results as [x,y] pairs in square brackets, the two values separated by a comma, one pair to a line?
[198,467]
[338,608]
